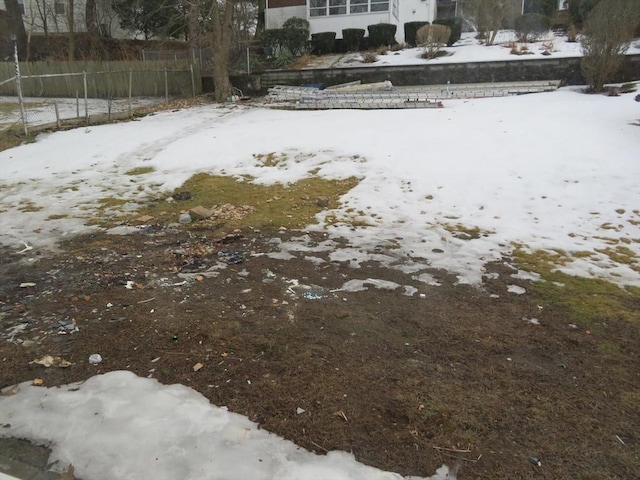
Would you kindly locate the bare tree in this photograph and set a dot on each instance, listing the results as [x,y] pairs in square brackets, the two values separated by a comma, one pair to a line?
[489,16]
[16,25]
[608,31]
[222,26]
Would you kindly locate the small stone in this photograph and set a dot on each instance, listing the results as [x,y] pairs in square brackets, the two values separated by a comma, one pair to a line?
[144,219]
[197,366]
[200,213]
[184,218]
[95,359]
[181,196]
[322,202]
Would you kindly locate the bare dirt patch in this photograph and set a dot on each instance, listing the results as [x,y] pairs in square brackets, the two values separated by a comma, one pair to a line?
[456,374]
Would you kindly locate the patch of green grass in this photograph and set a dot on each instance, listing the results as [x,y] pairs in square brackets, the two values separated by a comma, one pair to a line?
[13,137]
[140,171]
[29,207]
[278,205]
[57,216]
[588,301]
[464,232]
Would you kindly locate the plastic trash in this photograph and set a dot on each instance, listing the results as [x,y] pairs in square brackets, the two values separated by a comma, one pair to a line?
[95,358]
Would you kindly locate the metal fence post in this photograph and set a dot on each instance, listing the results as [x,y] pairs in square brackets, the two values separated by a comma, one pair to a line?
[193,81]
[23,114]
[86,100]
[166,86]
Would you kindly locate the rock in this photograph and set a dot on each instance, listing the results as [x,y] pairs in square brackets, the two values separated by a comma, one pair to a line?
[144,219]
[184,218]
[199,213]
[181,196]
[322,202]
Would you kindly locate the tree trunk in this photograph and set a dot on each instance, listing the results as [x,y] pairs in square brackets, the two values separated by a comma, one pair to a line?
[193,32]
[221,81]
[16,25]
[261,20]
[222,22]
[72,33]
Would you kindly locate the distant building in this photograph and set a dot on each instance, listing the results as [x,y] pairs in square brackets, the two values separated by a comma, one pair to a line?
[52,17]
[336,15]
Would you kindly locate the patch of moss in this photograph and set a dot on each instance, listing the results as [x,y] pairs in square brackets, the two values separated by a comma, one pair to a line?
[140,171]
[588,301]
[57,216]
[13,137]
[278,205]
[464,232]
[29,207]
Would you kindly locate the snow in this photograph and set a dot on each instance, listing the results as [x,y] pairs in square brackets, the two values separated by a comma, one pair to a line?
[553,171]
[140,428]
[469,49]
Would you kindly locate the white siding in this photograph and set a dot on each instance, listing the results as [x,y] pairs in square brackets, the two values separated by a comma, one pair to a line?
[336,23]
[275,17]
[415,11]
[409,11]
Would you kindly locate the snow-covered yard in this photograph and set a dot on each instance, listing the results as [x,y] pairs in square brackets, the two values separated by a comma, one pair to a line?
[556,171]
[469,49]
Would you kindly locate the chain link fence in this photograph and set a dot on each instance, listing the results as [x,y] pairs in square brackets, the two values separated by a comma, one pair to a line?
[38,100]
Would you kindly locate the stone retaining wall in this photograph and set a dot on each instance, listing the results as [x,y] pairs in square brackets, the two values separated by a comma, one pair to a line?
[565,69]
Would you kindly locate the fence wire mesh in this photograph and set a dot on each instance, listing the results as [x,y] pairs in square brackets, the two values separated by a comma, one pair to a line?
[54,99]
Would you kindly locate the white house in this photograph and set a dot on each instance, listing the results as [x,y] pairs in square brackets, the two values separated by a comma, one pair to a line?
[53,16]
[336,15]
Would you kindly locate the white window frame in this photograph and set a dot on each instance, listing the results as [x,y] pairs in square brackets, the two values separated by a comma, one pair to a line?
[324,8]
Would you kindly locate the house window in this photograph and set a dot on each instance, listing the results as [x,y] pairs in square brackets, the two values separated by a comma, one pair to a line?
[21,6]
[321,8]
[359,6]
[379,5]
[58,8]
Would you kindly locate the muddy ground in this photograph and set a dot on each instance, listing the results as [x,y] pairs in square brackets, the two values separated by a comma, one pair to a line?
[470,376]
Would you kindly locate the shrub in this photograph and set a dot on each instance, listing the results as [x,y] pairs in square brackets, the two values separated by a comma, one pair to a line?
[431,38]
[410,30]
[296,22]
[382,34]
[455,25]
[323,42]
[353,38]
[609,30]
[369,57]
[295,35]
[272,41]
[561,20]
[531,26]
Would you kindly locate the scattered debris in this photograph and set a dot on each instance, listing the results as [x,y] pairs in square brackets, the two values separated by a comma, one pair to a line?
[341,414]
[300,411]
[535,461]
[200,213]
[518,290]
[198,366]
[144,219]
[51,361]
[26,248]
[620,440]
[95,358]
[27,284]
[38,382]
[231,257]
[182,196]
